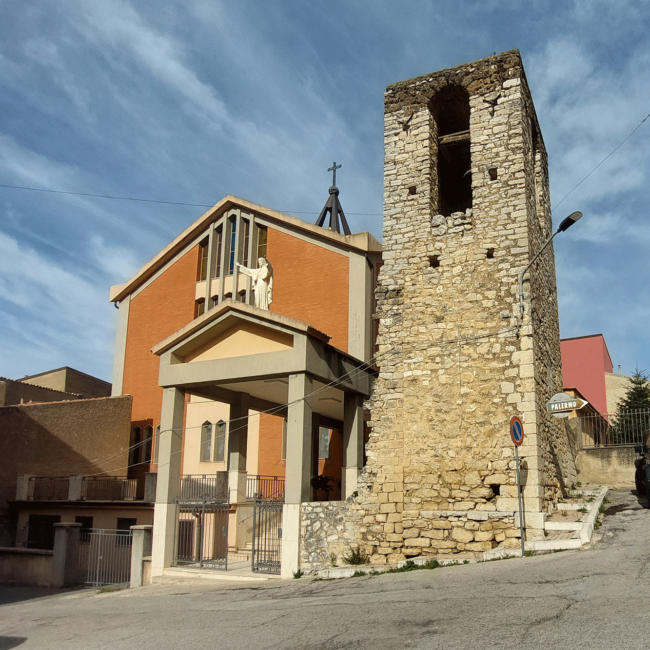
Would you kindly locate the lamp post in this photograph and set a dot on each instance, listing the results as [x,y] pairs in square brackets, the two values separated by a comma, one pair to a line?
[565,225]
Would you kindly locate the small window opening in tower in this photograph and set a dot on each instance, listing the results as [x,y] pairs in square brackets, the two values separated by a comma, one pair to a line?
[490,253]
[493,173]
[450,109]
[413,190]
[434,261]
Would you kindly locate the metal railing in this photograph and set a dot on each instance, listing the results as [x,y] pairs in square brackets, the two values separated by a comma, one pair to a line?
[40,536]
[46,488]
[612,429]
[264,488]
[203,486]
[111,488]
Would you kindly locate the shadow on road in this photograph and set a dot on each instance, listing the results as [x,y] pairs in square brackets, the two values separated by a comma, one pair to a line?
[9,595]
[8,642]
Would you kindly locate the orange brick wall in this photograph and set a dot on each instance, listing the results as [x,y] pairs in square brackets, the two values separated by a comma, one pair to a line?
[270,461]
[161,309]
[310,284]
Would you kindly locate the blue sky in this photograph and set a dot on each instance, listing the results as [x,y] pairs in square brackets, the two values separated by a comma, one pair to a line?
[190,101]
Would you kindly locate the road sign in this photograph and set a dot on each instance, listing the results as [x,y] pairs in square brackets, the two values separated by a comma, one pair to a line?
[561,404]
[516,430]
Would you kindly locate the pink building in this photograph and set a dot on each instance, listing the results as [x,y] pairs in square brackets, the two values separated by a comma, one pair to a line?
[585,360]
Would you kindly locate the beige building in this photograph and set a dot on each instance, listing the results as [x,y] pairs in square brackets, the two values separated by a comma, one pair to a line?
[69,380]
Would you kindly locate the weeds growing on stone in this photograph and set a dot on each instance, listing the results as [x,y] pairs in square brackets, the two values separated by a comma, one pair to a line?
[583,510]
[298,574]
[358,574]
[333,559]
[356,556]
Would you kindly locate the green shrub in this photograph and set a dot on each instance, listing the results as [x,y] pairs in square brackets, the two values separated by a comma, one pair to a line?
[298,574]
[356,556]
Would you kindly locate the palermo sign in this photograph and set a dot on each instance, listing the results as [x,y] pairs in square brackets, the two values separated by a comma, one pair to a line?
[561,404]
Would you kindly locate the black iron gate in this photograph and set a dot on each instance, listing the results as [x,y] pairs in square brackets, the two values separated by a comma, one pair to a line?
[201,537]
[267,536]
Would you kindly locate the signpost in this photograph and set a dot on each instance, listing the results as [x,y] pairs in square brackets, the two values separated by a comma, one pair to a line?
[517,435]
[561,405]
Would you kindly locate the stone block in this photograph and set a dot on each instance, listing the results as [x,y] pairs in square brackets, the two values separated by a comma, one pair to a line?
[462,535]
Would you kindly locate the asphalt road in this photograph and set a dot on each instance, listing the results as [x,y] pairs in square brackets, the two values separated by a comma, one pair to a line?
[593,598]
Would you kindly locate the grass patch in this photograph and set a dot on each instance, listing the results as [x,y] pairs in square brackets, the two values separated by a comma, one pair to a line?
[107,590]
[598,523]
[583,510]
[602,509]
[358,574]
[606,501]
[298,574]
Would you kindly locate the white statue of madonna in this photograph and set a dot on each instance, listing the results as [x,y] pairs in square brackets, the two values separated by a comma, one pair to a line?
[262,278]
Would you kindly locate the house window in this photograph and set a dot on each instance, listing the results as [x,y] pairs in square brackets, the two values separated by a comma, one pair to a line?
[283,455]
[262,234]
[199,308]
[206,441]
[136,439]
[219,243]
[323,443]
[203,260]
[450,109]
[40,531]
[146,448]
[232,248]
[247,234]
[156,444]
[220,442]
[86,528]
[124,530]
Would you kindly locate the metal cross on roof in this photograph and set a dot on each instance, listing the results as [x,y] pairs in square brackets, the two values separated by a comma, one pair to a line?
[333,168]
[333,207]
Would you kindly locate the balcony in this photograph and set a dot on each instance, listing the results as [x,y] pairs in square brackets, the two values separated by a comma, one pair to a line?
[86,488]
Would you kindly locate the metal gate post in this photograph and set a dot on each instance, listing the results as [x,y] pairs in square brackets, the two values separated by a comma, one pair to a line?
[254,527]
[99,556]
[201,533]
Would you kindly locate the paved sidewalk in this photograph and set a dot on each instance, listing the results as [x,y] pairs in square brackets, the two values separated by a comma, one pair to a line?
[592,598]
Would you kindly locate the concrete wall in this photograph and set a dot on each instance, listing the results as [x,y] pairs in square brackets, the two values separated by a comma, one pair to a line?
[611,466]
[17,392]
[70,380]
[585,360]
[22,566]
[104,517]
[616,387]
[60,439]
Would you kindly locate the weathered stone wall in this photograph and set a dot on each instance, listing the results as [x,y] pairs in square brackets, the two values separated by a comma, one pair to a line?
[456,363]
[326,528]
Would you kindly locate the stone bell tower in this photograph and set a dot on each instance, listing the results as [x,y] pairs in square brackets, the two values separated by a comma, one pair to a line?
[466,206]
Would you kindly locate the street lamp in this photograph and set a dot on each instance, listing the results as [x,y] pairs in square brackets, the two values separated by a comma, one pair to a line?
[565,225]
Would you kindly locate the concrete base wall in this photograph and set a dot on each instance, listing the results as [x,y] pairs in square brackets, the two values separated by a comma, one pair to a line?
[27,567]
[611,466]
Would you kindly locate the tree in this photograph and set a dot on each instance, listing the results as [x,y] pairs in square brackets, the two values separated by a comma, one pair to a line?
[633,417]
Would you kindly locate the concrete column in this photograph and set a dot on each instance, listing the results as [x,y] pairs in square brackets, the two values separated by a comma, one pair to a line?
[352,442]
[237,445]
[169,478]
[150,480]
[298,473]
[22,487]
[140,549]
[65,562]
[74,487]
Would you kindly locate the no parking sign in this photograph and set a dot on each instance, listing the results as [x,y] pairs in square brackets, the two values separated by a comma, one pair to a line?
[516,430]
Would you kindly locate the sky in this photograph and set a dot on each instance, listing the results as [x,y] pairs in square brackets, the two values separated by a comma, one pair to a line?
[190,101]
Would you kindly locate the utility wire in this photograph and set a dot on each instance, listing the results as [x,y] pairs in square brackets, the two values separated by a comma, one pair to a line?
[602,161]
[140,200]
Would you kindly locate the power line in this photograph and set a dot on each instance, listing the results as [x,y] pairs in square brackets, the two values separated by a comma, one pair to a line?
[603,160]
[141,200]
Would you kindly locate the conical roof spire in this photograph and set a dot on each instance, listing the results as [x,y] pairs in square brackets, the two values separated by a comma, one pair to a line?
[333,207]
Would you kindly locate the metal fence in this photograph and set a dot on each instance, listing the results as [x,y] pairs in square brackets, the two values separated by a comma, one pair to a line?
[612,429]
[201,536]
[36,535]
[105,556]
[112,488]
[264,487]
[204,486]
[267,536]
[46,488]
